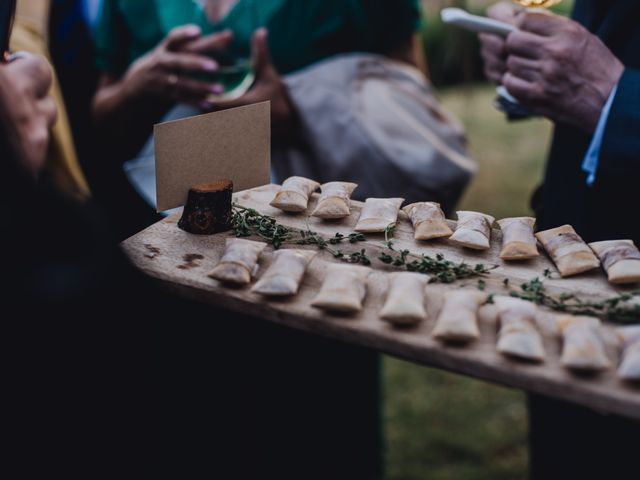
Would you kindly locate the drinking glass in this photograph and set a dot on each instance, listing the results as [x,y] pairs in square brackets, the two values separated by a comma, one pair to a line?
[537,3]
[235,72]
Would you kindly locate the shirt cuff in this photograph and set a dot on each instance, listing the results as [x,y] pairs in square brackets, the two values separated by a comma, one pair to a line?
[591,160]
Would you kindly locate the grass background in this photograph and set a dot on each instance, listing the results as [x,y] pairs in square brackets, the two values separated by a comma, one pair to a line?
[441,426]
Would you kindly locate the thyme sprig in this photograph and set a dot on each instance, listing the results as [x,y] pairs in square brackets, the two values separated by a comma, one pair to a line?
[248,222]
[439,268]
[617,309]
[309,237]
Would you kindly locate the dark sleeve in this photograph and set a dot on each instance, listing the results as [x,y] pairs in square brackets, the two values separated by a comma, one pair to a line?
[621,143]
[112,39]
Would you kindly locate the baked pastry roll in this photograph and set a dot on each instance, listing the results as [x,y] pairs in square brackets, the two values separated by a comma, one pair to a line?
[405,303]
[473,230]
[583,348]
[518,336]
[458,319]
[284,275]
[620,259]
[294,194]
[428,220]
[378,214]
[568,251]
[335,200]
[343,290]
[239,262]
[518,241]
[629,368]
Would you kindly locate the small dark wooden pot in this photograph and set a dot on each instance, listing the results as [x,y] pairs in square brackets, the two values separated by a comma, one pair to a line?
[208,208]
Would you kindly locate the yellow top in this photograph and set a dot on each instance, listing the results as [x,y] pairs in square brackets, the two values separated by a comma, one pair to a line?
[30,33]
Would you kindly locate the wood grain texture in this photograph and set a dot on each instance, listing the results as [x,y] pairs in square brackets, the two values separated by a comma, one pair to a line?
[181,262]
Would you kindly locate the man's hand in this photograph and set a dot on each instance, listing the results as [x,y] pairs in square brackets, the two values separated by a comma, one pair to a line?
[164,72]
[493,49]
[268,86]
[26,110]
[560,70]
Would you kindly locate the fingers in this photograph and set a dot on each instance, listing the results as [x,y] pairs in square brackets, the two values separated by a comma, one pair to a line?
[262,61]
[541,23]
[210,43]
[189,90]
[525,44]
[179,36]
[187,62]
[503,11]
[494,56]
[36,71]
[49,111]
[525,68]
[525,91]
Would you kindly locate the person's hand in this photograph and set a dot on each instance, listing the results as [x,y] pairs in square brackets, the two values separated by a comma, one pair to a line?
[268,86]
[26,110]
[560,70]
[493,46]
[165,71]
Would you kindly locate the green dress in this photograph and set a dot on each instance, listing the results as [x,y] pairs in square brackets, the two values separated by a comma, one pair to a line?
[301,32]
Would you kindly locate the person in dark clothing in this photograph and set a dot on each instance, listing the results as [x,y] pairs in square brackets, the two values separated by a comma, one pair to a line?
[108,375]
[583,74]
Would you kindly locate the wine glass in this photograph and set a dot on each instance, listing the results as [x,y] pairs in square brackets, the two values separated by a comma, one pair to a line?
[235,72]
[537,3]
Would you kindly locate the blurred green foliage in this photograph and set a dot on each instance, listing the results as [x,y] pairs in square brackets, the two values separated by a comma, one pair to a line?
[453,54]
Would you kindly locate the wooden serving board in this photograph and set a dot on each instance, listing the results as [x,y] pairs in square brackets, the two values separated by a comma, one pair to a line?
[181,262]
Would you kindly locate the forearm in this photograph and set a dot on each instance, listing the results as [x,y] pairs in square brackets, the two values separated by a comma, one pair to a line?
[124,119]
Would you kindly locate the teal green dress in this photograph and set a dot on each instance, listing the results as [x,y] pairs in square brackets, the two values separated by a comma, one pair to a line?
[301,32]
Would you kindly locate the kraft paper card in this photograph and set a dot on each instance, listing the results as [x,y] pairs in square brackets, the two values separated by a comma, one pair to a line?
[233,144]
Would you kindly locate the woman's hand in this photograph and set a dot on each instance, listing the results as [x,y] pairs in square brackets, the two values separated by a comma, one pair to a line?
[26,110]
[268,86]
[165,71]
[125,109]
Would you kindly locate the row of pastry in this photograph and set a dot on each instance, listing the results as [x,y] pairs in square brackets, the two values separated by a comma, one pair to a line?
[583,346]
[344,291]
[569,252]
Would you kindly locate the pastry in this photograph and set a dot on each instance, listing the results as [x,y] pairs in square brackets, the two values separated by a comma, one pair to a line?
[568,251]
[620,259]
[405,301]
[378,214]
[239,261]
[335,200]
[343,290]
[294,194]
[473,230]
[518,241]
[428,220]
[583,348]
[284,275]
[458,319]
[518,336]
